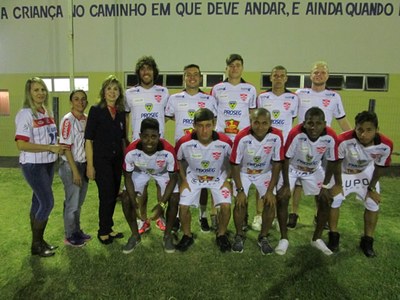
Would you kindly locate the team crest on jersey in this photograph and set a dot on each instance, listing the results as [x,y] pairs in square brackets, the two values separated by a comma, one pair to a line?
[149,107]
[276,113]
[160,163]
[326,102]
[216,155]
[267,149]
[232,126]
[286,105]
[309,158]
[157,98]
[66,129]
[243,97]
[225,193]
[321,150]
[205,164]
[257,159]
[201,104]
[232,104]
[191,113]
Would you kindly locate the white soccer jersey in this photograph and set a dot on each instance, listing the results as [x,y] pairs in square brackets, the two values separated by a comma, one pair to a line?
[206,164]
[159,163]
[283,109]
[182,107]
[234,102]
[357,157]
[39,129]
[146,103]
[256,157]
[306,155]
[72,134]
[329,101]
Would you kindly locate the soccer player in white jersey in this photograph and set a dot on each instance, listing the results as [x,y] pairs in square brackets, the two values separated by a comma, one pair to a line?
[146,100]
[235,99]
[146,158]
[181,107]
[256,159]
[327,100]
[283,105]
[307,143]
[364,153]
[203,158]
[72,168]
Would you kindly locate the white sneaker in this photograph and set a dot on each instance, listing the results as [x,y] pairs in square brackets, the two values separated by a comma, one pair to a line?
[320,245]
[256,225]
[282,247]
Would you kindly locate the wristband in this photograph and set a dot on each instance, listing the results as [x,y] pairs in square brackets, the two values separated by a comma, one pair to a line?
[239,190]
[325,186]
[162,204]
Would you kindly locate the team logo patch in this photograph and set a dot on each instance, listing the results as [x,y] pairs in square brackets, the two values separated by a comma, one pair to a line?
[191,113]
[149,107]
[321,150]
[205,164]
[66,129]
[286,105]
[201,104]
[326,102]
[267,149]
[276,113]
[243,97]
[257,159]
[232,104]
[232,126]
[160,163]
[225,193]
[216,155]
[157,98]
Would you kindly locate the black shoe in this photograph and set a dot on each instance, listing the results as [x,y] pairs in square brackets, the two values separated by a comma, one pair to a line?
[184,243]
[204,225]
[333,243]
[105,239]
[366,245]
[48,246]
[40,249]
[292,220]
[177,225]
[326,226]
[116,235]
[223,243]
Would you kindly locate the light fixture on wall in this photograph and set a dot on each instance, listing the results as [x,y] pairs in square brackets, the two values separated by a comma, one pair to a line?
[4,103]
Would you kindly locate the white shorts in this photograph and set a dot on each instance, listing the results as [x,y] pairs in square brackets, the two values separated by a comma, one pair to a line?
[140,180]
[260,181]
[192,198]
[358,184]
[311,182]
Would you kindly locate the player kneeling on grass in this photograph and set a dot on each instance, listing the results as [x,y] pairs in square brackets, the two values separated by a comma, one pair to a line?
[146,158]
[256,159]
[364,152]
[307,143]
[203,157]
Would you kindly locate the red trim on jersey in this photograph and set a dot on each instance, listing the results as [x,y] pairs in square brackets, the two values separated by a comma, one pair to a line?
[242,133]
[292,134]
[223,137]
[186,138]
[21,138]
[279,133]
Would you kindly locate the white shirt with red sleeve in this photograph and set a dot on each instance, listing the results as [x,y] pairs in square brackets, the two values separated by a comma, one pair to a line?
[72,134]
[256,157]
[306,155]
[357,157]
[206,164]
[283,109]
[160,163]
[36,129]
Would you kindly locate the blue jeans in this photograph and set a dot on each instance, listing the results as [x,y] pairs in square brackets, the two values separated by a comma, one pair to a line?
[74,196]
[40,179]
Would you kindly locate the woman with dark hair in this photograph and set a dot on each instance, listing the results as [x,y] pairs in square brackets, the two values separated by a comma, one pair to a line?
[105,136]
[36,138]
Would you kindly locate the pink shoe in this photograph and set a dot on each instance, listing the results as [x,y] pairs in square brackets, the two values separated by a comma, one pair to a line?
[160,223]
[144,226]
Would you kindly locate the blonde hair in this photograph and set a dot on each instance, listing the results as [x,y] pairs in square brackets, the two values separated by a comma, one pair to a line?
[320,63]
[28,102]
[119,104]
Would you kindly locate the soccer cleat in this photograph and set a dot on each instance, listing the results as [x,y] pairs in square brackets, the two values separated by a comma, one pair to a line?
[185,243]
[169,246]
[204,225]
[257,221]
[144,226]
[131,245]
[366,245]
[292,220]
[238,244]
[265,247]
[333,243]
[160,223]
[74,241]
[84,236]
[320,245]
[282,247]
[223,243]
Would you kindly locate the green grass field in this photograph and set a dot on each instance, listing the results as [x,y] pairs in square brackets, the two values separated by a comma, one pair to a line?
[104,272]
